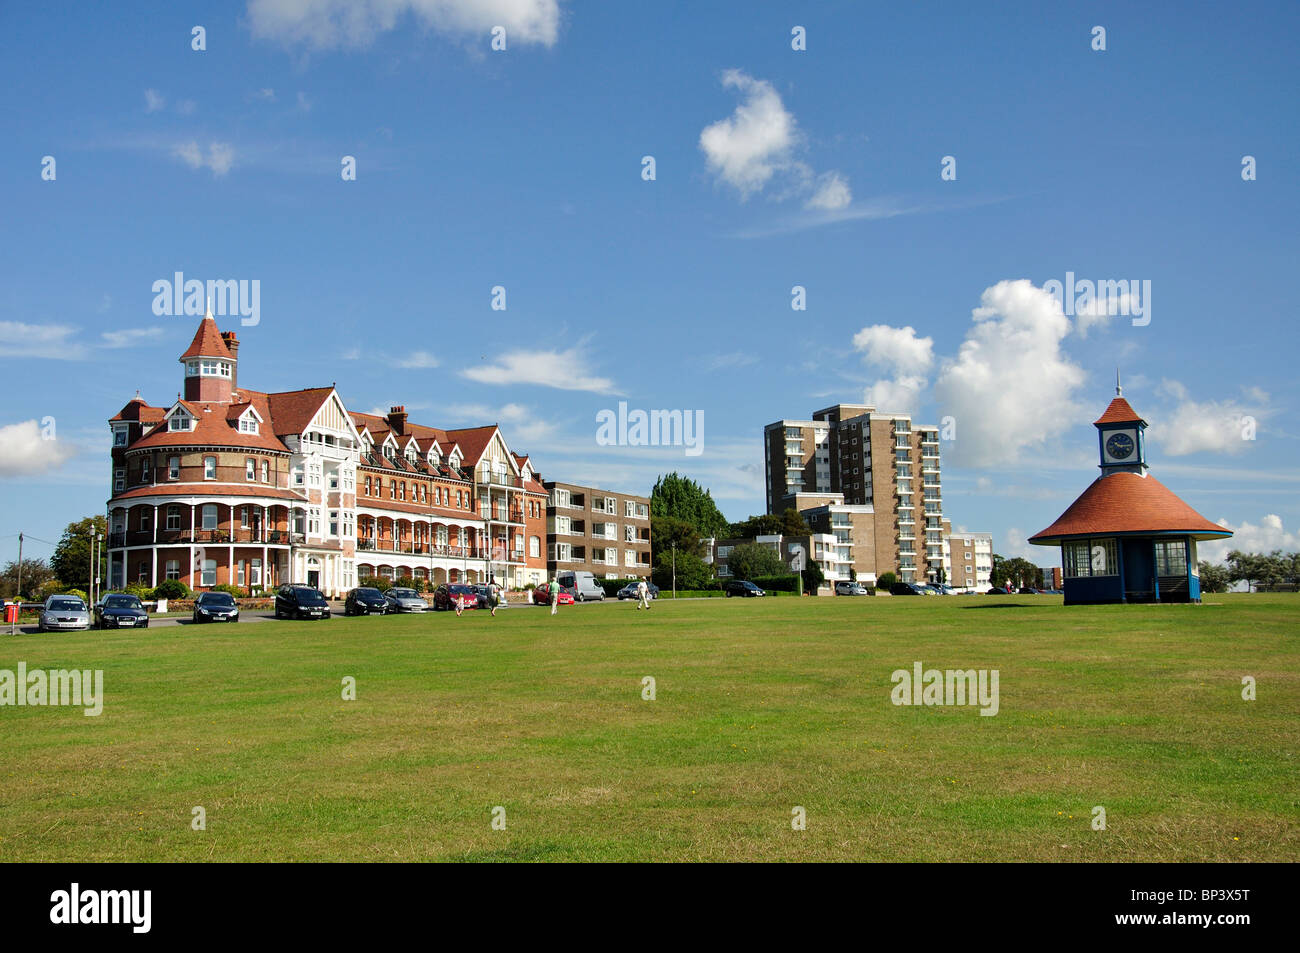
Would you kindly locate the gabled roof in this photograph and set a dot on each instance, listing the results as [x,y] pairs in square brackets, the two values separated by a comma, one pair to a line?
[208,342]
[214,426]
[1118,412]
[1128,503]
[293,410]
[137,410]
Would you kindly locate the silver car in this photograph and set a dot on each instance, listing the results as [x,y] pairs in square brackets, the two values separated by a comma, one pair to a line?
[850,589]
[62,613]
[404,600]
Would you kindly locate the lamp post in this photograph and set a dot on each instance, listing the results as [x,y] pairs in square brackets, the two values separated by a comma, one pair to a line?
[674,570]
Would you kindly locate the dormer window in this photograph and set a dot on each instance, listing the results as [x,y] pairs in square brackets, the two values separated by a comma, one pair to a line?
[119,436]
[180,422]
[248,424]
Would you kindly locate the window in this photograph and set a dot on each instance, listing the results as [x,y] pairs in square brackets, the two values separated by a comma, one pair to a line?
[144,470]
[239,572]
[173,468]
[265,472]
[250,469]
[248,424]
[629,534]
[534,546]
[297,474]
[1093,557]
[243,517]
[334,522]
[172,569]
[179,422]
[334,480]
[145,520]
[209,468]
[173,517]
[119,436]
[1171,557]
[367,493]
[208,576]
[209,517]
[119,480]
[255,573]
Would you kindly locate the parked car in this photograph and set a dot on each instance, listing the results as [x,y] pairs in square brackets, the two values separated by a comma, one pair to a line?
[484,593]
[850,589]
[300,602]
[741,587]
[404,600]
[215,607]
[907,589]
[119,610]
[365,601]
[444,597]
[1030,591]
[62,613]
[943,589]
[630,591]
[542,596]
[583,585]
[997,591]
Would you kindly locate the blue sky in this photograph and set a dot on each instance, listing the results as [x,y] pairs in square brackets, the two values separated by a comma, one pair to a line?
[774,168]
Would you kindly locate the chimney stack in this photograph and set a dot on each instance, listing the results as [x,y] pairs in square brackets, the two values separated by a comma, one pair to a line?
[233,345]
[397,419]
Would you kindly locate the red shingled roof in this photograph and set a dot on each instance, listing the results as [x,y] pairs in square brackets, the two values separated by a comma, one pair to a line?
[1128,503]
[291,411]
[214,428]
[196,489]
[137,410]
[207,342]
[1119,411]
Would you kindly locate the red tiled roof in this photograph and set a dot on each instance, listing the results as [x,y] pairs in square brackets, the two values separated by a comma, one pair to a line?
[196,489]
[213,428]
[1128,503]
[1119,411]
[207,342]
[137,410]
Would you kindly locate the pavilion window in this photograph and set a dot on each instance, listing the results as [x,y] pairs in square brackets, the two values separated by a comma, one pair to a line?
[208,576]
[1171,557]
[209,516]
[173,518]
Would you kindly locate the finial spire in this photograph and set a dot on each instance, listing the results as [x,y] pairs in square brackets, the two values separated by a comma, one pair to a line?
[1119,390]
[208,313]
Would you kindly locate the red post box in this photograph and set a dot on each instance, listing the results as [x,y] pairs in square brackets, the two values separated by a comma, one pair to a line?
[11,612]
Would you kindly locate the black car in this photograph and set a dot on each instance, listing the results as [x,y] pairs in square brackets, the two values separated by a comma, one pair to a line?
[630,591]
[741,587]
[445,596]
[300,602]
[117,610]
[906,589]
[365,601]
[1029,591]
[215,607]
[997,591]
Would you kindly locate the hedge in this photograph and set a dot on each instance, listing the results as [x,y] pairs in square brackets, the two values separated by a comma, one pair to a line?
[783,583]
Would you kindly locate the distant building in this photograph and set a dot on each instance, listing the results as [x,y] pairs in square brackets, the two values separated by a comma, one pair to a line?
[602,532]
[1128,538]
[969,558]
[797,554]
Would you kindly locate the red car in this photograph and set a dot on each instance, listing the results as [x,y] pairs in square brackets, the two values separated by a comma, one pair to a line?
[564,597]
[445,596]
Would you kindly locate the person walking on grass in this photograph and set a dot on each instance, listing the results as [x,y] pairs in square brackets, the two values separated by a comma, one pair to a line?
[496,598]
[460,604]
[643,596]
[554,590]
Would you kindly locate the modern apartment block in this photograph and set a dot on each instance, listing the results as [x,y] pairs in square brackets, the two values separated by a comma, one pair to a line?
[229,485]
[796,552]
[598,531]
[850,455]
[968,560]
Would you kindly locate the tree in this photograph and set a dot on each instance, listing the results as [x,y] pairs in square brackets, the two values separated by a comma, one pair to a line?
[71,559]
[1214,578]
[36,572]
[667,531]
[885,580]
[788,523]
[751,560]
[684,499]
[813,577]
[1246,567]
[692,571]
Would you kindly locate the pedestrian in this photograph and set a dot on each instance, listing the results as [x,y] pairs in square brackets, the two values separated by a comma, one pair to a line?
[643,596]
[495,598]
[460,604]
[554,589]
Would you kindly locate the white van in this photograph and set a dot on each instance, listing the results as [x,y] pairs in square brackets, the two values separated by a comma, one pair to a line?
[583,584]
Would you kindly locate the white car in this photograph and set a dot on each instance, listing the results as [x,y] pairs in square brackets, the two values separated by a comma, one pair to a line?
[850,589]
[63,613]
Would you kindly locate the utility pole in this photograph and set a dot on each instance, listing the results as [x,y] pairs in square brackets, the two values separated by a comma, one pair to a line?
[674,570]
[90,590]
[19,597]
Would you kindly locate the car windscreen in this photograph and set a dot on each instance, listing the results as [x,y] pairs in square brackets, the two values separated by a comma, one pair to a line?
[404,594]
[461,590]
[122,602]
[223,599]
[309,597]
[368,594]
[68,605]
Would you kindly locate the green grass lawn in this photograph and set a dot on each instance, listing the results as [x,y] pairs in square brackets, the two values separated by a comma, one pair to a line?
[761,705]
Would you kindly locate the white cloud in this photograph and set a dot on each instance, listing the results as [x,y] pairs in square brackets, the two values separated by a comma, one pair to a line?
[521,425]
[186,107]
[733,359]
[1216,426]
[832,193]
[1016,543]
[219,159]
[895,348]
[756,145]
[329,24]
[266,94]
[419,360]
[54,341]
[1264,537]
[1010,387]
[562,370]
[900,395]
[304,103]
[153,101]
[25,450]
[129,336]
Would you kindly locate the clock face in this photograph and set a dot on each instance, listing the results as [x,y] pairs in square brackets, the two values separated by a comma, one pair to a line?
[1120,446]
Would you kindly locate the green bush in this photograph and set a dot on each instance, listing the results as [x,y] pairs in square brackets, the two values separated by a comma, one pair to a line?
[139,590]
[782,583]
[79,593]
[374,582]
[612,586]
[172,589]
[234,591]
[885,580]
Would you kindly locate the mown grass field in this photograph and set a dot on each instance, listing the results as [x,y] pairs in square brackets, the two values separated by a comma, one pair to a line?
[761,705]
